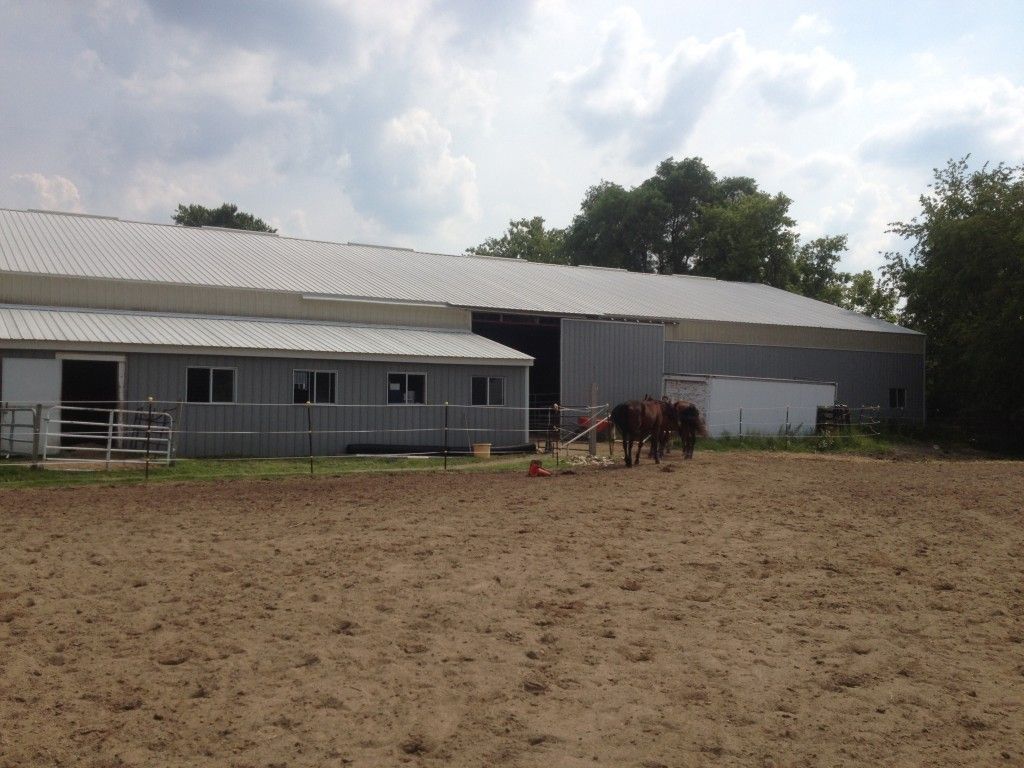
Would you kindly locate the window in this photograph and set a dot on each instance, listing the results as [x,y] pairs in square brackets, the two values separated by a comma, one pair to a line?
[315,386]
[488,390]
[897,397]
[210,385]
[407,388]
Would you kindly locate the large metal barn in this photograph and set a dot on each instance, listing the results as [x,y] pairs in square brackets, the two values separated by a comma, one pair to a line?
[236,329]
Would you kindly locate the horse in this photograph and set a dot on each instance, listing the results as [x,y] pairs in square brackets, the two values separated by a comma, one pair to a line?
[669,426]
[690,424]
[637,420]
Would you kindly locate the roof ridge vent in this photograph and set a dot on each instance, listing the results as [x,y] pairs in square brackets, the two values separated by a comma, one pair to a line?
[385,247]
[230,229]
[71,213]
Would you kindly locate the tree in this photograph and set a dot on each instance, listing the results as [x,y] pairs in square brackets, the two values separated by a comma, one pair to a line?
[617,228]
[963,282]
[526,239]
[871,297]
[749,238]
[685,186]
[817,276]
[685,219]
[227,215]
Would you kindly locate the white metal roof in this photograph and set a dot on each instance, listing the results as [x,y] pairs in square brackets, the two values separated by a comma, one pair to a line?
[191,333]
[86,246]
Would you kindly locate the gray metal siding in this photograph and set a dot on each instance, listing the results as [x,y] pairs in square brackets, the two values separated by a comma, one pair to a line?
[63,291]
[625,360]
[268,381]
[862,378]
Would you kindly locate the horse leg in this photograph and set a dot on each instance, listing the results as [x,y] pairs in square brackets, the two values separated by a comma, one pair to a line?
[656,446]
[627,447]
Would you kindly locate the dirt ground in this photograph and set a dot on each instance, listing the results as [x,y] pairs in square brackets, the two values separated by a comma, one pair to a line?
[736,610]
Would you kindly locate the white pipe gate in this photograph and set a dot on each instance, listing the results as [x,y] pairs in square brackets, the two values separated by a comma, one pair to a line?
[107,434]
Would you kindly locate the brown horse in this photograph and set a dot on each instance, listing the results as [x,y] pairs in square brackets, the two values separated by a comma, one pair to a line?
[689,424]
[669,425]
[638,420]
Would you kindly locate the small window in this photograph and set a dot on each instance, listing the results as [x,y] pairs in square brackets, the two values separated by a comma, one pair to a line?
[898,398]
[407,388]
[488,390]
[314,386]
[210,385]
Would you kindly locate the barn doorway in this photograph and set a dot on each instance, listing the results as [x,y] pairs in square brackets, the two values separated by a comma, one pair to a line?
[90,389]
[535,335]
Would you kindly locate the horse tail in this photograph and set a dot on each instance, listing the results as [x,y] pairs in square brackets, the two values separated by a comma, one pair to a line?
[620,417]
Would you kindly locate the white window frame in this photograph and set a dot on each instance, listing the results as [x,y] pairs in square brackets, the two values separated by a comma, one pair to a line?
[487,389]
[407,374]
[314,371]
[211,369]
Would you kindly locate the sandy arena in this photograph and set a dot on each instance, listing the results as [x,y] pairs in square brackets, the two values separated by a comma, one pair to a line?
[736,610]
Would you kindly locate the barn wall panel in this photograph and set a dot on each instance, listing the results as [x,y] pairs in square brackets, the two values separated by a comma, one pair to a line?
[47,290]
[862,378]
[625,360]
[265,422]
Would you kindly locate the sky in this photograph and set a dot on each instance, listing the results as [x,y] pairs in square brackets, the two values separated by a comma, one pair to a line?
[432,124]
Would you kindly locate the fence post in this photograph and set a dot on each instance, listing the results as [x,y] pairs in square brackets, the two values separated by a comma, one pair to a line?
[590,423]
[611,436]
[558,427]
[110,436]
[149,430]
[446,435]
[741,422]
[38,442]
[309,433]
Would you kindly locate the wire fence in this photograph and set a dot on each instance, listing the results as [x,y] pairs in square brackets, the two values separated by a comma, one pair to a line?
[157,431]
[145,433]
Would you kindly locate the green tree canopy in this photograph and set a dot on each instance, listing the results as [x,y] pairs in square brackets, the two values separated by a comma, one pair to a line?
[749,238]
[526,239]
[227,215]
[963,282]
[686,219]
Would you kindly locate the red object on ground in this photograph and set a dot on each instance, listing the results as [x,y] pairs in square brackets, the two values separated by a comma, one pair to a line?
[536,470]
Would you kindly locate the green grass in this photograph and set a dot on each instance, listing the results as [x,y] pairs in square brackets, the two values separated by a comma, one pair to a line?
[12,476]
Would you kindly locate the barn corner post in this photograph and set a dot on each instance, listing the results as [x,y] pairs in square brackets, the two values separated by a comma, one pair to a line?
[446,435]
[309,433]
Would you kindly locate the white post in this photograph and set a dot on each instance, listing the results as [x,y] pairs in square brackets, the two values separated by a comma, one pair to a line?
[110,435]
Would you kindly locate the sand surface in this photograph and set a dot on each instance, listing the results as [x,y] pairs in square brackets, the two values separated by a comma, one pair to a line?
[736,610]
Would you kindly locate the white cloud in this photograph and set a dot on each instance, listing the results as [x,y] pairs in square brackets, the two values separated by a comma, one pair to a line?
[419,174]
[980,116]
[631,92]
[797,82]
[55,193]
[811,24]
